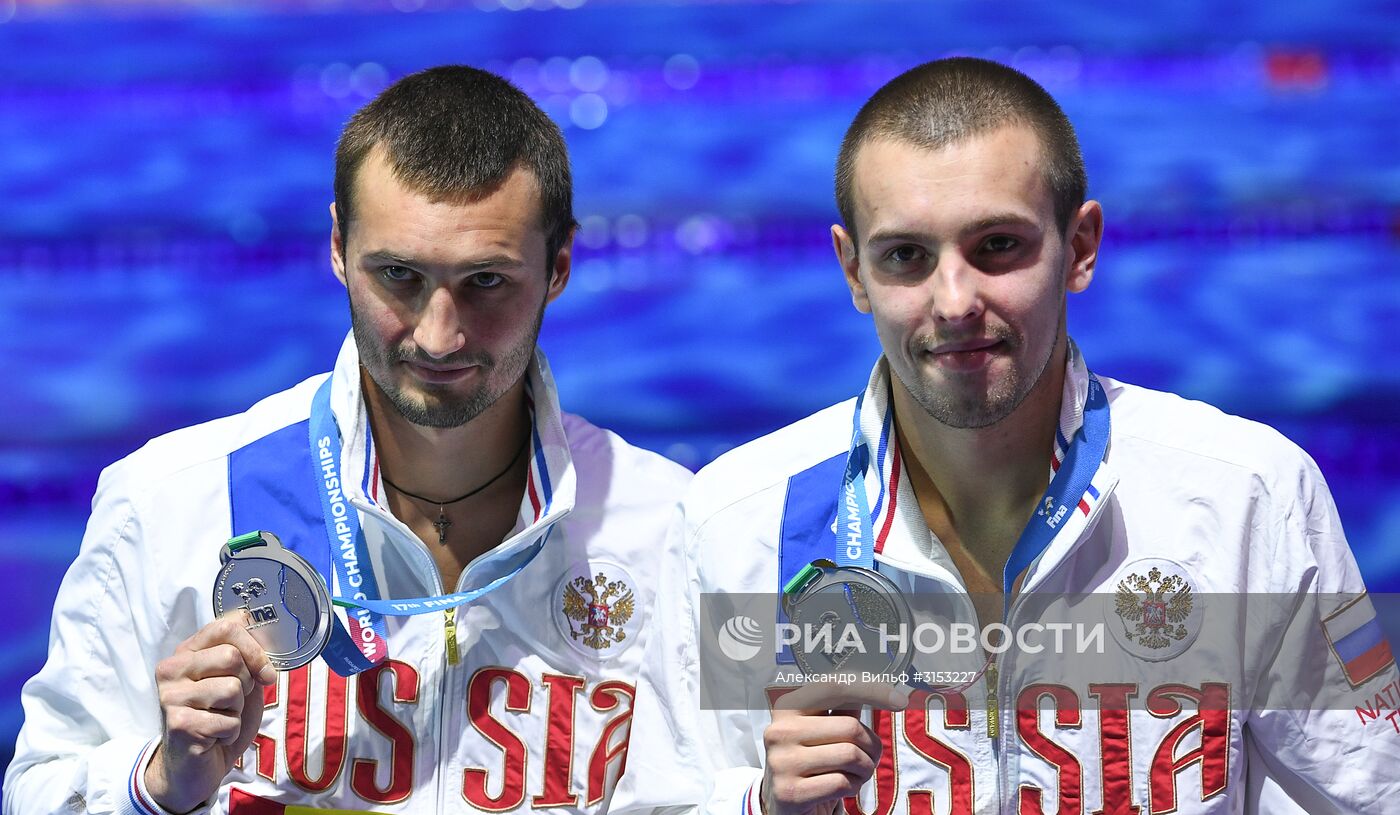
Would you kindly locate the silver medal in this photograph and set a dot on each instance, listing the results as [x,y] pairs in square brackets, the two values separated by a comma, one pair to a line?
[841,614]
[286,599]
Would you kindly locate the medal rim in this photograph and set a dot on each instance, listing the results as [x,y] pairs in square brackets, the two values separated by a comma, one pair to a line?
[882,584]
[320,634]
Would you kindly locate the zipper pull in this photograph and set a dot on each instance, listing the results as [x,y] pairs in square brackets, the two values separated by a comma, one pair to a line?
[449,631]
[993,709]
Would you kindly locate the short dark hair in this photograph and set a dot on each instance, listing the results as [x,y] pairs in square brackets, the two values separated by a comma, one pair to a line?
[454,133]
[949,100]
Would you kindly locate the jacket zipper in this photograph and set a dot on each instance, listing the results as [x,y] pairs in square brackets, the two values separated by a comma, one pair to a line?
[993,707]
[450,628]
[449,635]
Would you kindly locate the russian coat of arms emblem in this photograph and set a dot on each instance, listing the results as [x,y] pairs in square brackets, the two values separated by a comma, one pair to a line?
[597,609]
[1154,609]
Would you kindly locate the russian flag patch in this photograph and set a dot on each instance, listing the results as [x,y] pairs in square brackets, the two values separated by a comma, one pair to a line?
[1358,641]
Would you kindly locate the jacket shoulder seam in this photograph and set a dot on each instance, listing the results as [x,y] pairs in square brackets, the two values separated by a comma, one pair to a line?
[1193,452]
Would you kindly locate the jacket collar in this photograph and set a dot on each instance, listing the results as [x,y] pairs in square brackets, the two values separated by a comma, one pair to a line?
[902,536]
[550,488]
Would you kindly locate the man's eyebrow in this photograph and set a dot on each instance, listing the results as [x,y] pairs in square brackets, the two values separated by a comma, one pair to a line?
[385,256]
[1002,219]
[893,235]
[476,264]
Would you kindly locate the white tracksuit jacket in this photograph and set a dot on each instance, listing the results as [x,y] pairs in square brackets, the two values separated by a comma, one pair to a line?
[534,715]
[1228,506]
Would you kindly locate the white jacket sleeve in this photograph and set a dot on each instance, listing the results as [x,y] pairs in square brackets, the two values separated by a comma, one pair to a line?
[681,757]
[91,715]
[666,764]
[1315,732]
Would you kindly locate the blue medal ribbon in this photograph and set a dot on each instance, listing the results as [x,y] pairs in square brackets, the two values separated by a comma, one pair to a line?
[349,557]
[855,539]
[803,533]
[1067,488]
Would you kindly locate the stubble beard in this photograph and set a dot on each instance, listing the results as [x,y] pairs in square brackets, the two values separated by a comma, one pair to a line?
[969,409]
[437,406]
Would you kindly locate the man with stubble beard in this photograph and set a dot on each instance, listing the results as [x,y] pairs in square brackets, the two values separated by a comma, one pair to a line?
[493,557]
[984,467]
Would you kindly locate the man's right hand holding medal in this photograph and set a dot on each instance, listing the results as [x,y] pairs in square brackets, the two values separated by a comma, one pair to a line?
[211,700]
[817,750]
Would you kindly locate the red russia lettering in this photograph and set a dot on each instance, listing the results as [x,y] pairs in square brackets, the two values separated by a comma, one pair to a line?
[264,746]
[299,738]
[559,742]
[609,756]
[333,736]
[493,789]
[1212,720]
[403,681]
[1069,790]
[923,742]
[606,761]
[512,778]
[886,776]
[1115,748]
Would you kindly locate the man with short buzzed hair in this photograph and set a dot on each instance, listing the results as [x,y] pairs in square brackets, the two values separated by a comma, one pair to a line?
[492,558]
[985,473]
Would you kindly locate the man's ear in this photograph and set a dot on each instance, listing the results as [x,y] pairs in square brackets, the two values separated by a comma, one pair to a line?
[562,266]
[1085,236]
[846,255]
[337,248]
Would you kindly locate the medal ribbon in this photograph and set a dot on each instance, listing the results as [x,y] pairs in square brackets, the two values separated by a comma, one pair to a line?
[365,646]
[855,539]
[1082,460]
[855,531]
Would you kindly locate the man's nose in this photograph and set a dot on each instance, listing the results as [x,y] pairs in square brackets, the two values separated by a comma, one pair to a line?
[957,293]
[439,331]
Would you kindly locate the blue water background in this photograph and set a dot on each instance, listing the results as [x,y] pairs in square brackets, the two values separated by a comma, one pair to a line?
[165,170]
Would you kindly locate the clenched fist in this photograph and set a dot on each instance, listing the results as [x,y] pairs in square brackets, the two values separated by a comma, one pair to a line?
[211,702]
[817,750]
